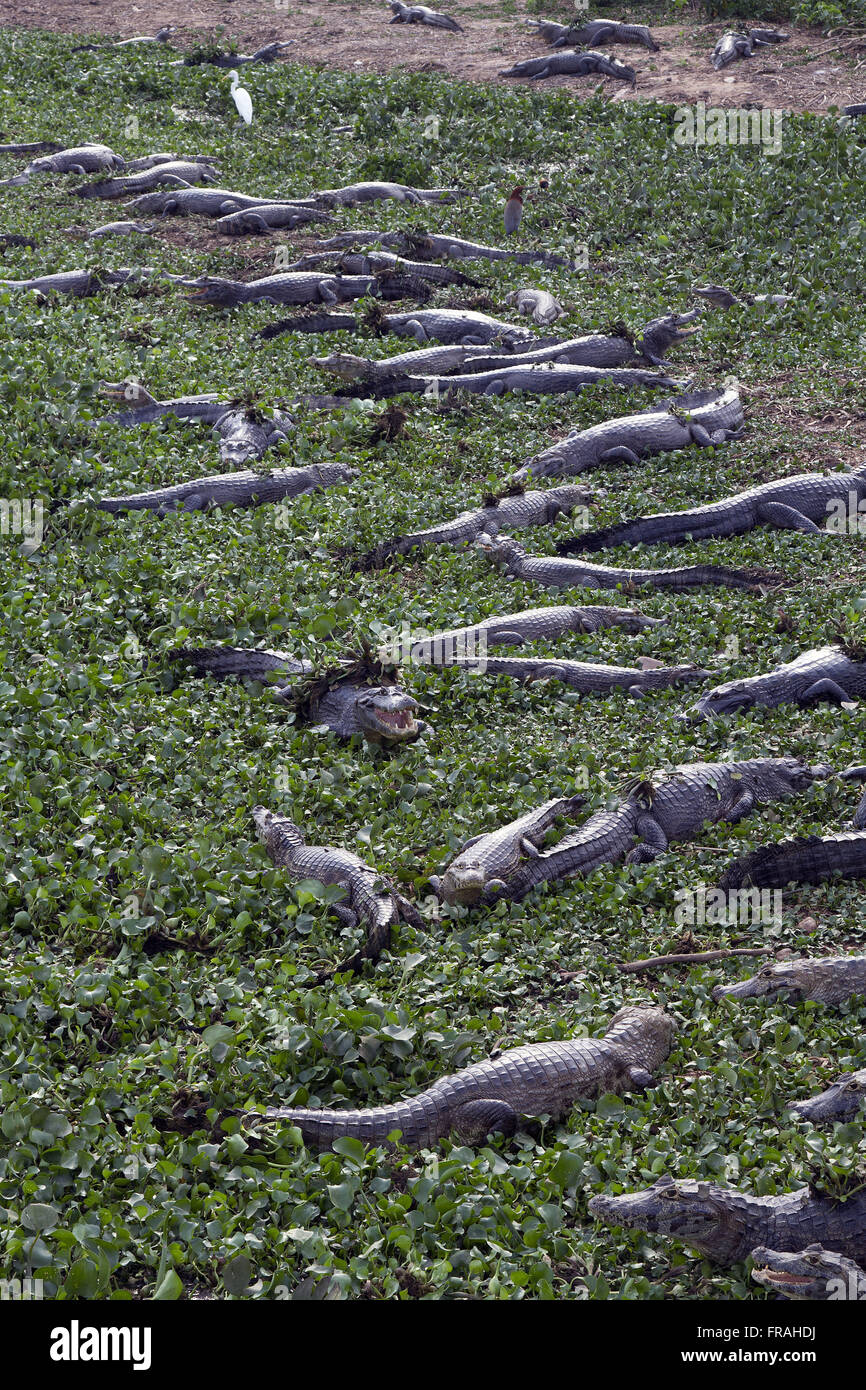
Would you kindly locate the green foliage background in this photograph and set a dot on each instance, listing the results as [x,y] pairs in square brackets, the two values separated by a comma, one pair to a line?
[126,799]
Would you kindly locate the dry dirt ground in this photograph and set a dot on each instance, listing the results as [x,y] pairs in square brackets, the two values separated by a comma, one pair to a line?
[810,73]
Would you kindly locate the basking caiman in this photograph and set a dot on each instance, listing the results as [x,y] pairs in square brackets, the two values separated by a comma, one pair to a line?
[841,1101]
[543,1078]
[120,229]
[594,350]
[369,897]
[827,979]
[539,305]
[606,31]
[465,326]
[79,159]
[670,806]
[570,61]
[813,1273]
[792,504]
[220,202]
[558,573]
[521,509]
[721,298]
[725,1225]
[665,332]
[349,700]
[268,54]
[420,14]
[265,217]
[545,379]
[354,193]
[79,283]
[586,677]
[705,418]
[241,489]
[180,171]
[244,432]
[592,32]
[428,244]
[732,45]
[513,630]
[280,289]
[375,262]
[823,674]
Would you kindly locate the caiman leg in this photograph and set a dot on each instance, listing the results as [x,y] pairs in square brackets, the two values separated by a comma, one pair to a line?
[826,690]
[620,454]
[787,518]
[478,1118]
[654,841]
[705,440]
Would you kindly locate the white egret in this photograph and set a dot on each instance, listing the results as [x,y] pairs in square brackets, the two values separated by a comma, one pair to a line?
[242,99]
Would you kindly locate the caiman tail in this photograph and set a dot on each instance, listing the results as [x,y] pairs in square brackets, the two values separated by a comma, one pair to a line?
[808,860]
[695,576]
[418,1121]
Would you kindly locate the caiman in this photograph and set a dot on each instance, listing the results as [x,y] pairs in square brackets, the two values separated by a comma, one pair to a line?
[301,288]
[725,1225]
[356,698]
[827,980]
[520,509]
[813,1273]
[545,379]
[570,61]
[265,217]
[545,1078]
[241,489]
[183,172]
[426,245]
[120,229]
[268,54]
[244,432]
[605,31]
[823,674]
[594,350]
[79,159]
[420,14]
[556,572]
[586,677]
[669,806]
[369,897]
[79,283]
[665,332]
[721,298]
[733,45]
[792,504]
[842,1101]
[466,326]
[217,202]
[515,629]
[354,193]
[539,305]
[375,262]
[705,418]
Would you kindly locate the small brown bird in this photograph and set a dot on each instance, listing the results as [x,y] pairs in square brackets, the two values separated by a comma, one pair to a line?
[514,210]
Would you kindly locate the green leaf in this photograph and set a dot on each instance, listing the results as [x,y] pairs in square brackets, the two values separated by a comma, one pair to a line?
[169,1289]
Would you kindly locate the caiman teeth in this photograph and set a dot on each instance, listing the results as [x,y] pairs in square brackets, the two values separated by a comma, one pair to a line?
[397,718]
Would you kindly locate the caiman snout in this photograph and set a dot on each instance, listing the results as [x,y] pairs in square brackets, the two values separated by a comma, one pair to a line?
[463,888]
[387,715]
